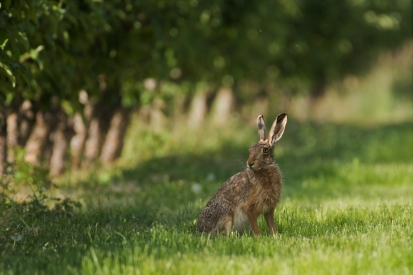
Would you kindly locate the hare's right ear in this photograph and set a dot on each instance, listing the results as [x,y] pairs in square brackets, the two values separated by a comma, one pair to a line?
[277,129]
[261,128]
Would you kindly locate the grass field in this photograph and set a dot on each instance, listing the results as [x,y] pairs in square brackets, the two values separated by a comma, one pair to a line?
[347,207]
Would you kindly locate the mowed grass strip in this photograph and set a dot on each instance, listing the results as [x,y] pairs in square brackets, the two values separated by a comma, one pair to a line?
[347,208]
[320,240]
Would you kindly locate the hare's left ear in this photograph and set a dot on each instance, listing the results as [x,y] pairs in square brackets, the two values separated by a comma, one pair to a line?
[261,128]
[277,129]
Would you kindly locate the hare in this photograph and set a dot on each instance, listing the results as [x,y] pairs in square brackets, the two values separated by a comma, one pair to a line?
[255,191]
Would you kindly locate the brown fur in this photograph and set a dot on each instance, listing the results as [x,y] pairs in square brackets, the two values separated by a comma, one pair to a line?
[245,196]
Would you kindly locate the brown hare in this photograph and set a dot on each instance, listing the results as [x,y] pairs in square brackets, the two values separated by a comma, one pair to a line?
[255,191]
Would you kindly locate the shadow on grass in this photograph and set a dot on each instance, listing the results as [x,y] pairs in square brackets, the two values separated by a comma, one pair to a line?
[307,151]
[303,144]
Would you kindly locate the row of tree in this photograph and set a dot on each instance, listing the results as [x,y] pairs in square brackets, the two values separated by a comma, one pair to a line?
[71,72]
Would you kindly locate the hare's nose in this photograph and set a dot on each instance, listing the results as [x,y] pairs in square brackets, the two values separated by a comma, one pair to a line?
[250,164]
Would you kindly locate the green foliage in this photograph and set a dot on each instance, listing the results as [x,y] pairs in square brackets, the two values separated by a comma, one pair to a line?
[20,218]
[21,172]
[54,48]
[325,41]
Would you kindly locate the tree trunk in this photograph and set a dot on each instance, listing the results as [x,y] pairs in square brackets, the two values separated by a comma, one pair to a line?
[101,114]
[318,89]
[61,139]
[113,144]
[198,109]
[316,93]
[38,138]
[12,134]
[3,140]
[95,136]
[157,116]
[223,104]
[77,143]
[27,117]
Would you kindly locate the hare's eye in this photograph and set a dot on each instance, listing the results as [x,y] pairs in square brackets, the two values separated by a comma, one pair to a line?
[265,150]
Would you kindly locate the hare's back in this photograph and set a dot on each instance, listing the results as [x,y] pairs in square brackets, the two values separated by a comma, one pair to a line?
[235,189]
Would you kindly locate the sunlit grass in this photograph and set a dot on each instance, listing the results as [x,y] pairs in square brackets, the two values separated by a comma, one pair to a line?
[313,240]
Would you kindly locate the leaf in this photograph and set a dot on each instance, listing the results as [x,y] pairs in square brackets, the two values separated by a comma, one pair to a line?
[5,70]
[4,44]
[68,107]
[22,39]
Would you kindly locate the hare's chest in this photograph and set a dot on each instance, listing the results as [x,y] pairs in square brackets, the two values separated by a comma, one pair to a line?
[267,198]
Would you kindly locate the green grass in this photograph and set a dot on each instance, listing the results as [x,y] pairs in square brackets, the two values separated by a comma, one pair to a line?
[347,207]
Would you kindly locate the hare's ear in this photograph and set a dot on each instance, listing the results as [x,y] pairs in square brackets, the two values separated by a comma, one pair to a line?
[277,128]
[261,128]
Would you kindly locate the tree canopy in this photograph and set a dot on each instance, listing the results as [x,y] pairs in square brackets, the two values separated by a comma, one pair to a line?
[58,47]
[50,50]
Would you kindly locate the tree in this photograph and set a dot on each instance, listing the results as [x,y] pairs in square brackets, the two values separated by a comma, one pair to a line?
[52,52]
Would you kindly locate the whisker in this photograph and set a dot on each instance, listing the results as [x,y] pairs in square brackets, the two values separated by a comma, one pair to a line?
[240,163]
[283,164]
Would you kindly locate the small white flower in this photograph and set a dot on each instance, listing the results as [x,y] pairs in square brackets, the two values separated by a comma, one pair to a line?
[16,237]
[211,177]
[196,188]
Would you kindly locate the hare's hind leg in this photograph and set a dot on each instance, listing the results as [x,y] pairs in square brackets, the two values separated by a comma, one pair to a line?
[216,218]
[226,217]
[269,218]
[226,226]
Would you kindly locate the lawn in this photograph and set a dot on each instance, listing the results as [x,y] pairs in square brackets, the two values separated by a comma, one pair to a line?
[347,207]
